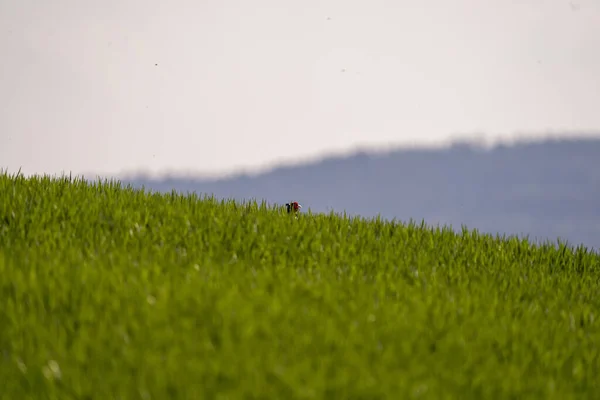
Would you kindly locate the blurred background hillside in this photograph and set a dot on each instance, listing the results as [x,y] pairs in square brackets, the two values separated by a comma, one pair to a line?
[542,189]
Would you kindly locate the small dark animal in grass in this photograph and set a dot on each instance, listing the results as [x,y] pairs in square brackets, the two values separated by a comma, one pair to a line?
[293,207]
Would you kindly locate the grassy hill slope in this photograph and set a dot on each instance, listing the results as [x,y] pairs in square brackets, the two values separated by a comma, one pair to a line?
[109,292]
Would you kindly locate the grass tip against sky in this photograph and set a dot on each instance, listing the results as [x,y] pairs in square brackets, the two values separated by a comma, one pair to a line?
[110,292]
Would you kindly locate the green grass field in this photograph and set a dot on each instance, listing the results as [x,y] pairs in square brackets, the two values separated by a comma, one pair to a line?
[111,293]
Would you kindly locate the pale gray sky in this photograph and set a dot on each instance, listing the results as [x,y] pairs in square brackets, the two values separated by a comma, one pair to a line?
[248,83]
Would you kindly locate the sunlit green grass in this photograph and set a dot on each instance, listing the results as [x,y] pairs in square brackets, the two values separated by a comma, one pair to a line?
[107,292]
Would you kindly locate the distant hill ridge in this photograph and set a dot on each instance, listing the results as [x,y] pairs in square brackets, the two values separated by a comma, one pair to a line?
[543,189]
